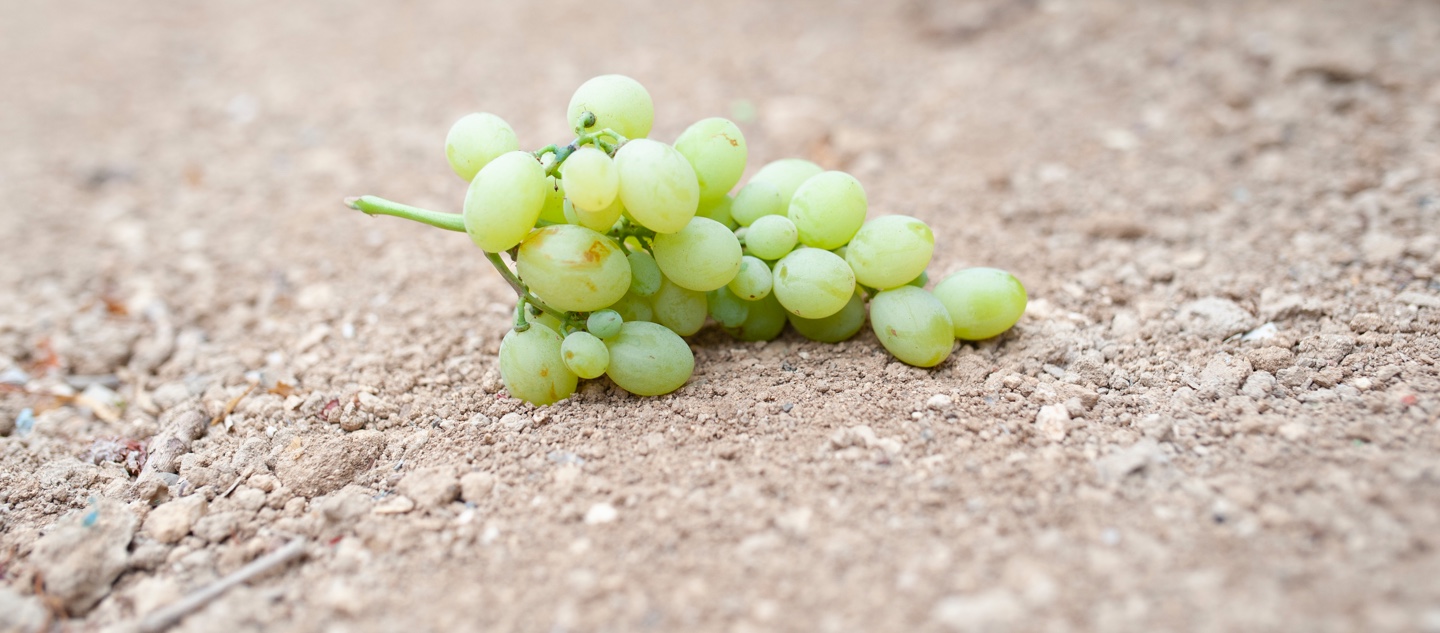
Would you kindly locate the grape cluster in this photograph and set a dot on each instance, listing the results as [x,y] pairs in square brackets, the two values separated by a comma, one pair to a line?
[622,245]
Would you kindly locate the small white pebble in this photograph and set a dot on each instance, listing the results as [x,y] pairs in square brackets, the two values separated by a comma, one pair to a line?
[939,402]
[601,513]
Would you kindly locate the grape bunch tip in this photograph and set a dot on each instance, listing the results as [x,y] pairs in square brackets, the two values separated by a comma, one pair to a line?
[622,245]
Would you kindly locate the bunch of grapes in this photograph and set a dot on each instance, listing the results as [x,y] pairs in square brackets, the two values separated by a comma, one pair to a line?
[621,245]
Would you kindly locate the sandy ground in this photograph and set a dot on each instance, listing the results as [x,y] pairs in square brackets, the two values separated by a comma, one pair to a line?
[1221,412]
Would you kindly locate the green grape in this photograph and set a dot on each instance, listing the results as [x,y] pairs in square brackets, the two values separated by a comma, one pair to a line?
[770,237]
[754,280]
[754,201]
[702,256]
[572,268]
[835,328]
[786,174]
[475,140]
[919,282]
[647,359]
[727,309]
[604,323]
[813,283]
[645,275]
[599,221]
[657,185]
[719,211]
[504,201]
[889,251]
[913,325]
[828,209]
[716,150]
[764,320]
[982,302]
[633,307]
[585,354]
[531,366]
[679,309]
[618,102]
[546,319]
[590,180]
[554,209]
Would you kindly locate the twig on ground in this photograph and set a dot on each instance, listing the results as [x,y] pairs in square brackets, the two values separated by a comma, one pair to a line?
[169,616]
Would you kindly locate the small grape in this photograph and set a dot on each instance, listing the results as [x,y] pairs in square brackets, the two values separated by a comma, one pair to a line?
[754,280]
[754,201]
[475,140]
[716,150]
[835,328]
[919,282]
[889,251]
[618,102]
[657,185]
[645,276]
[786,174]
[727,309]
[604,323]
[703,256]
[590,180]
[982,302]
[599,221]
[532,368]
[828,209]
[771,237]
[647,359]
[912,325]
[680,309]
[585,354]
[554,209]
[504,201]
[633,307]
[813,283]
[764,320]
[572,268]
[719,211]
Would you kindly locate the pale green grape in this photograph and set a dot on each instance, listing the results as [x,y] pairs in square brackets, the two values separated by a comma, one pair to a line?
[585,354]
[590,180]
[835,328]
[716,150]
[754,201]
[504,201]
[828,209]
[754,280]
[475,140]
[546,319]
[813,283]
[770,237]
[786,174]
[702,256]
[645,275]
[604,323]
[657,185]
[633,307]
[618,102]
[982,302]
[572,268]
[719,211]
[764,320]
[554,209]
[647,359]
[599,221]
[919,282]
[727,309]
[889,251]
[913,325]
[679,309]
[531,366]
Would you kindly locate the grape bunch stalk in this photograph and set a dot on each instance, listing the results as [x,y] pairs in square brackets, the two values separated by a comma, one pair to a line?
[622,245]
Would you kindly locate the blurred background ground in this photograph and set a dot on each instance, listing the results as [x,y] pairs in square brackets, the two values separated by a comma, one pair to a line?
[1222,411]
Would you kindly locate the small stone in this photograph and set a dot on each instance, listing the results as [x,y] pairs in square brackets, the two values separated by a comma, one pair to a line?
[1258,386]
[170,394]
[1271,358]
[1418,299]
[939,402]
[1223,375]
[394,504]
[993,610]
[22,614]
[316,466]
[514,421]
[430,487]
[476,486]
[601,513]
[1214,318]
[1116,466]
[250,499]
[345,506]
[1053,422]
[84,554]
[170,522]
[1293,377]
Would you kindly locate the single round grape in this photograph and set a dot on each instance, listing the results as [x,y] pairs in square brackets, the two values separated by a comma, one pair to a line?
[657,185]
[680,309]
[786,174]
[504,201]
[531,366]
[590,180]
[771,237]
[633,307]
[828,209]
[604,323]
[754,280]
[719,211]
[912,325]
[599,221]
[572,268]
[475,140]
[764,320]
[982,302]
[703,256]
[553,210]
[727,309]
[647,359]
[716,150]
[645,276]
[889,251]
[813,283]
[835,328]
[585,354]
[754,201]
[618,102]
